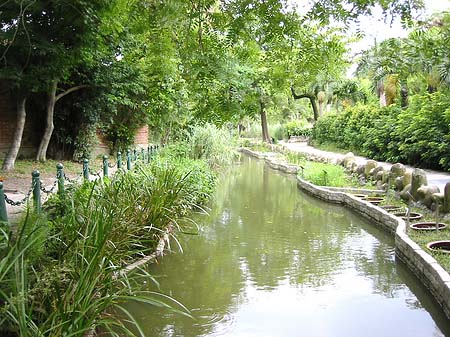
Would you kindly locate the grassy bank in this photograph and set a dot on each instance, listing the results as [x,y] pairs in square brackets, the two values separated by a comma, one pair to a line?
[63,272]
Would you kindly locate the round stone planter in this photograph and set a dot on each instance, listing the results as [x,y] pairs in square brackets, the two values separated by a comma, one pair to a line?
[412,215]
[374,200]
[427,226]
[393,208]
[439,246]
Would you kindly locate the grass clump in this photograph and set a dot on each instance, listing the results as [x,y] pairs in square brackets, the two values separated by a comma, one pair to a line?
[214,145]
[326,174]
[63,273]
[321,174]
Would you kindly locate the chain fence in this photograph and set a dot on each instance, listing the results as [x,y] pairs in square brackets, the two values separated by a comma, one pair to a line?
[22,201]
[58,184]
[51,190]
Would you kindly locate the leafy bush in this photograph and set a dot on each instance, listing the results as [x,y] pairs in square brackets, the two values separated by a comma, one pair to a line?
[418,135]
[68,276]
[278,131]
[211,144]
[253,130]
[298,128]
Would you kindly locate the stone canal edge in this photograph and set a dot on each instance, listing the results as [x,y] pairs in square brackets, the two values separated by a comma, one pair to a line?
[423,265]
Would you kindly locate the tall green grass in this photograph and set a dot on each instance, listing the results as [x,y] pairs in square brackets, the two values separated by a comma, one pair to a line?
[214,145]
[66,276]
[326,174]
[322,174]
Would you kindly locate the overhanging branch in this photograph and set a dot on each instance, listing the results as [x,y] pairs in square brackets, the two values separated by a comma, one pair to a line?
[68,91]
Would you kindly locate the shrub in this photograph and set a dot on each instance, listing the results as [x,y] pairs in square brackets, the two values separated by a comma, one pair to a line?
[253,130]
[278,131]
[71,278]
[211,144]
[418,135]
[298,128]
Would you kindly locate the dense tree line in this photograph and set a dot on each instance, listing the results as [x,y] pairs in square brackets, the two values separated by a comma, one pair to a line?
[407,118]
[116,65]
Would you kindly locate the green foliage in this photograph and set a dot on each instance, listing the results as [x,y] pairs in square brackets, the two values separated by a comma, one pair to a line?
[298,128]
[415,64]
[252,130]
[169,64]
[326,174]
[84,142]
[418,135]
[68,276]
[214,145]
[424,237]
[321,174]
[279,132]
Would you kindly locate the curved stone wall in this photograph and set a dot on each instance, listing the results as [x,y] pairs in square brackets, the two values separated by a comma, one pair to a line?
[423,265]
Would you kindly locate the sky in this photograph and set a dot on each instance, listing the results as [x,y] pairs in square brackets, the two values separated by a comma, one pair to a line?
[375,28]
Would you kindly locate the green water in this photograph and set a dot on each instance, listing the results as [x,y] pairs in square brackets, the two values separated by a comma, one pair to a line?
[272,261]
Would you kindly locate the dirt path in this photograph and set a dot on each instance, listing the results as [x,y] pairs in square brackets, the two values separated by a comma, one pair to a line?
[17,185]
[434,177]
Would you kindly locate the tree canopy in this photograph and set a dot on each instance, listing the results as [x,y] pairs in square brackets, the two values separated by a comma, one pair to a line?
[173,63]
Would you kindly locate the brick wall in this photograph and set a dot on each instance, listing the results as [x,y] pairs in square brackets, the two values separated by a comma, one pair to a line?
[30,138]
[8,125]
[7,121]
[141,137]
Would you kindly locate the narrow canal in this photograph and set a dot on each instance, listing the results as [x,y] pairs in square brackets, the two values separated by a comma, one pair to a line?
[274,262]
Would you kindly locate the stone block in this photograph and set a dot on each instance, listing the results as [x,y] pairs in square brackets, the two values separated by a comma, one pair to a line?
[369,166]
[348,160]
[398,183]
[407,178]
[425,194]
[405,194]
[418,179]
[446,203]
[397,170]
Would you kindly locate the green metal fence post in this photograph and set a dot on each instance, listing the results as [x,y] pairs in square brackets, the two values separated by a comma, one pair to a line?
[86,169]
[148,154]
[105,165]
[135,155]
[3,212]
[142,154]
[128,160]
[119,160]
[36,183]
[60,177]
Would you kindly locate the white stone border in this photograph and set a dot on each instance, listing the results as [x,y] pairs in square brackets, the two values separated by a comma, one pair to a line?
[423,265]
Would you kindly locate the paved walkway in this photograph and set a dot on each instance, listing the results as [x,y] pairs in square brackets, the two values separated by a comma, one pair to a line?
[434,177]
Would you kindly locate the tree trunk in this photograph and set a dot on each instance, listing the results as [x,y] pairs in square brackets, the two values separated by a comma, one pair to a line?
[265,130]
[311,98]
[404,95]
[52,99]
[320,108]
[381,94]
[8,163]
[431,88]
[42,151]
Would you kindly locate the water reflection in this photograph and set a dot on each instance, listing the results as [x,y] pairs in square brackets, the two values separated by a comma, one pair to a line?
[274,262]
